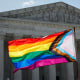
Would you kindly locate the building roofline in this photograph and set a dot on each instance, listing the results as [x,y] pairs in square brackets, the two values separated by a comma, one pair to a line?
[36,8]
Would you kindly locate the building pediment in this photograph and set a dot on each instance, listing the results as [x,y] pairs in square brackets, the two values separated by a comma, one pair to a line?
[55,12]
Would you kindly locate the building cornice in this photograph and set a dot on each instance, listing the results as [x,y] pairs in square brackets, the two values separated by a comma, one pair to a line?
[35,22]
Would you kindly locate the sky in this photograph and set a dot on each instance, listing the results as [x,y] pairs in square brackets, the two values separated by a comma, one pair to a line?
[7,5]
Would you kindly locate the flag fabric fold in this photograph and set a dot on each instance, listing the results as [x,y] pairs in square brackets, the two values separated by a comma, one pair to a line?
[30,53]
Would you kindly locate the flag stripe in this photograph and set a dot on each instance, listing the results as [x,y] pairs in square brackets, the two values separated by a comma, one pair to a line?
[53,45]
[44,62]
[56,53]
[44,56]
[29,62]
[66,53]
[63,54]
[32,49]
[56,41]
[31,40]
[26,46]
[31,55]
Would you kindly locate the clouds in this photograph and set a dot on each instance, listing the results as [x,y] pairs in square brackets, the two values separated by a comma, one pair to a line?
[28,3]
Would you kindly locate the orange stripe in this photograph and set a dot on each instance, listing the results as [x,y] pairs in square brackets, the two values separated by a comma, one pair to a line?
[25,46]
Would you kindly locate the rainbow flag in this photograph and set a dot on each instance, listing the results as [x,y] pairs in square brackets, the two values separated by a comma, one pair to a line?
[30,53]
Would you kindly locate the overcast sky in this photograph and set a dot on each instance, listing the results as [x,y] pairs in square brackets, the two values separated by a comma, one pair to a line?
[6,5]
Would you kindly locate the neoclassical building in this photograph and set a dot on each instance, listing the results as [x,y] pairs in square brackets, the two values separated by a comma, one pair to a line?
[36,22]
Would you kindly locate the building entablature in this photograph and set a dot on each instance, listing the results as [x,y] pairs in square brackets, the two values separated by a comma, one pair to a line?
[33,27]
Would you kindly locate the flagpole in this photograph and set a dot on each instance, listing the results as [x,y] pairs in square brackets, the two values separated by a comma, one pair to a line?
[76,54]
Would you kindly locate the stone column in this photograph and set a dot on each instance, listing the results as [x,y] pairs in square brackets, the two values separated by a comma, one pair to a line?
[78,56]
[8,66]
[35,74]
[63,71]
[67,71]
[1,57]
[52,72]
[46,73]
[70,71]
[78,73]
[18,74]
[26,74]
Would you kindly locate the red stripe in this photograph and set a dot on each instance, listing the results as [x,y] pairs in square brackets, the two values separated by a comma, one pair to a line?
[32,40]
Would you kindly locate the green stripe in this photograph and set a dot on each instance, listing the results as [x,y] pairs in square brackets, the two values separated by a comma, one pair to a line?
[31,55]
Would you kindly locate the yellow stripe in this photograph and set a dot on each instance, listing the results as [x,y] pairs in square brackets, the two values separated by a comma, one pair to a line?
[25,46]
[32,49]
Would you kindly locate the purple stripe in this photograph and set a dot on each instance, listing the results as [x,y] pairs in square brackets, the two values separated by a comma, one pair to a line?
[44,62]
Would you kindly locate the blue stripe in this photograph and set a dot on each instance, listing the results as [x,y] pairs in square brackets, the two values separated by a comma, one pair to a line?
[29,62]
